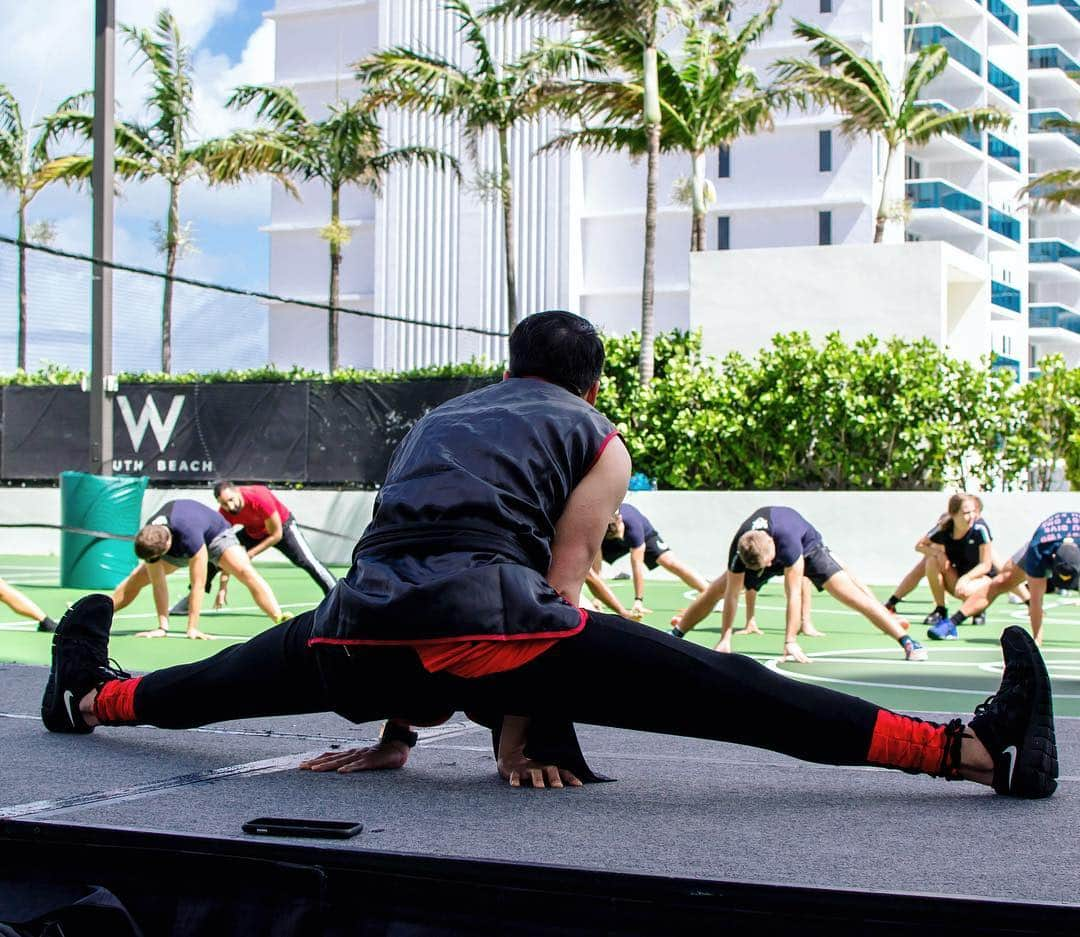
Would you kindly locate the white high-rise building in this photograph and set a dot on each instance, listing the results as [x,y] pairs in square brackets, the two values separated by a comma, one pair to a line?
[431,249]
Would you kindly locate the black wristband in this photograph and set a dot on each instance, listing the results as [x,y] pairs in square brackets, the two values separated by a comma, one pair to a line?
[639,598]
[393,732]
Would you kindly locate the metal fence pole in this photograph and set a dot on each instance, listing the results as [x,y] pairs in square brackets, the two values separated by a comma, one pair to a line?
[102,382]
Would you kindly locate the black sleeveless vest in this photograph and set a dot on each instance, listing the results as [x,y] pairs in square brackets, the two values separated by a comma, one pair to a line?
[460,543]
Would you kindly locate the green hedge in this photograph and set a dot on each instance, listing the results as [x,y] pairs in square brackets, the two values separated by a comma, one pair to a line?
[873,415]
[890,415]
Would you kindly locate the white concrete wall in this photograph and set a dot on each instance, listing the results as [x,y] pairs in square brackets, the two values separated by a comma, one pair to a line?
[740,299]
[873,532]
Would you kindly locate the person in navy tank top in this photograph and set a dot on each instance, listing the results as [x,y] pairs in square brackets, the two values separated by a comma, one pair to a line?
[464,595]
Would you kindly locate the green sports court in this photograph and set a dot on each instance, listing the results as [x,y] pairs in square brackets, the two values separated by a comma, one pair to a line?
[852,656]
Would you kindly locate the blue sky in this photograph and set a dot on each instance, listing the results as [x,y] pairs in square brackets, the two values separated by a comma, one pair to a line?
[232,43]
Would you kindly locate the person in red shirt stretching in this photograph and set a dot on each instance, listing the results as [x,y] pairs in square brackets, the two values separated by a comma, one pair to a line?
[266,523]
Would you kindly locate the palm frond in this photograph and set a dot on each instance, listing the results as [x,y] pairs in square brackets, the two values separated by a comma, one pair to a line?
[279,106]
[413,79]
[930,61]
[924,123]
[473,34]
[1054,189]
[609,139]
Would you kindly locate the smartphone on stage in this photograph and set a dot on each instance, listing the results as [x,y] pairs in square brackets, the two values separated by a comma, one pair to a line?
[291,826]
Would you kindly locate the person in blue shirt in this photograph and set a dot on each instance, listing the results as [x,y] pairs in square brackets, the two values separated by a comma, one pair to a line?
[1053,552]
[186,533]
[631,532]
[777,540]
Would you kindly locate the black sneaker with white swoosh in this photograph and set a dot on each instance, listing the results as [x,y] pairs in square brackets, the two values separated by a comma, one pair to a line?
[1016,724]
[80,663]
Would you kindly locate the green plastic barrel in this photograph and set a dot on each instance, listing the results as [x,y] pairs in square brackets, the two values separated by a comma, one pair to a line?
[97,503]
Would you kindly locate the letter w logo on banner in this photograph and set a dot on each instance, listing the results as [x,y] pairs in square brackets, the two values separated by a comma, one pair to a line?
[150,417]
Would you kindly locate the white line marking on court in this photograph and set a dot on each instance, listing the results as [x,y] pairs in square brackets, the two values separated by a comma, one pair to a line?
[774,665]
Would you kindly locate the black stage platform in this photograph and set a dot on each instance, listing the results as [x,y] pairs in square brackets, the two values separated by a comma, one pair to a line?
[692,834]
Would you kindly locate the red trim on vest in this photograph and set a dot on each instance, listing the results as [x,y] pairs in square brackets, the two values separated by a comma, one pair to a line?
[115,702]
[906,743]
[583,617]
[610,436]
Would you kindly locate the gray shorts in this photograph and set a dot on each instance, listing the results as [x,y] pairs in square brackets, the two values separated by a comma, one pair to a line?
[217,546]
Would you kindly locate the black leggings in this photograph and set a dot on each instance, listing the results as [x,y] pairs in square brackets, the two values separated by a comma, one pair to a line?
[615,672]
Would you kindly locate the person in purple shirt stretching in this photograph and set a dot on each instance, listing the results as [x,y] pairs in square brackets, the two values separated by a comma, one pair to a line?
[630,532]
[187,533]
[778,540]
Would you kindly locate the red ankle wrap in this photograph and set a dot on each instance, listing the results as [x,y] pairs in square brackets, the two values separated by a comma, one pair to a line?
[916,746]
[115,702]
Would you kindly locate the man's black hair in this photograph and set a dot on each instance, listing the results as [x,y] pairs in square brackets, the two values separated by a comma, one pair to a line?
[559,347]
[220,486]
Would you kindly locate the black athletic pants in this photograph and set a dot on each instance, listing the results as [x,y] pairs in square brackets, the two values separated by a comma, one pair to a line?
[615,672]
[295,547]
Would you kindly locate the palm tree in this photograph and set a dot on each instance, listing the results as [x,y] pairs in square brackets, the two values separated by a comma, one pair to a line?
[1056,187]
[23,158]
[345,148]
[631,28]
[162,149]
[485,95]
[860,89]
[708,98]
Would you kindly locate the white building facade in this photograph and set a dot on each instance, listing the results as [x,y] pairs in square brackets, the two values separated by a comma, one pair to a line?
[431,249]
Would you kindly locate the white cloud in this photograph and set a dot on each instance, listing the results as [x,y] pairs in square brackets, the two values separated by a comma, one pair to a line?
[55,43]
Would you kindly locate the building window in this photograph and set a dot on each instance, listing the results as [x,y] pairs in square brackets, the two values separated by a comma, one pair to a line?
[723,233]
[881,11]
[825,6]
[724,168]
[824,227]
[1006,345]
[914,168]
[824,151]
[824,61]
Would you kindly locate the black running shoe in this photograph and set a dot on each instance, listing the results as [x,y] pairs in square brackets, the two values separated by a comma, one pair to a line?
[979,619]
[935,618]
[1016,724]
[80,663]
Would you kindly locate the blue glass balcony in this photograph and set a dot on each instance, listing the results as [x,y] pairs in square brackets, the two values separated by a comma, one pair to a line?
[1003,152]
[1069,6]
[970,137]
[1003,81]
[937,194]
[1037,120]
[1004,13]
[956,47]
[1005,296]
[1051,57]
[1005,363]
[1005,225]
[1053,251]
[1049,316]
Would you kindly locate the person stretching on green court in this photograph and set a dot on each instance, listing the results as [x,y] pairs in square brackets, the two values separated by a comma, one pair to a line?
[187,533]
[631,532]
[23,605]
[777,540]
[1052,552]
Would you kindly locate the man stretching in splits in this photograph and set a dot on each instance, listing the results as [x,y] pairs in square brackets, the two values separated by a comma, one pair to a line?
[464,593]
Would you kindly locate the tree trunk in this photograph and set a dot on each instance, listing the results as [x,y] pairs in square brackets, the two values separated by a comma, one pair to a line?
[652,128]
[697,229]
[506,190]
[879,221]
[172,233]
[333,297]
[20,338]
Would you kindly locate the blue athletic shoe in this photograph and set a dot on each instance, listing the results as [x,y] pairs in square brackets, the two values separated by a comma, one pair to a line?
[943,631]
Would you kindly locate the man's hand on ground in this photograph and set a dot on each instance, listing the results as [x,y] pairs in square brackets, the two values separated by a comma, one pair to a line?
[153,633]
[220,599]
[807,628]
[381,757]
[524,772]
[638,611]
[196,635]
